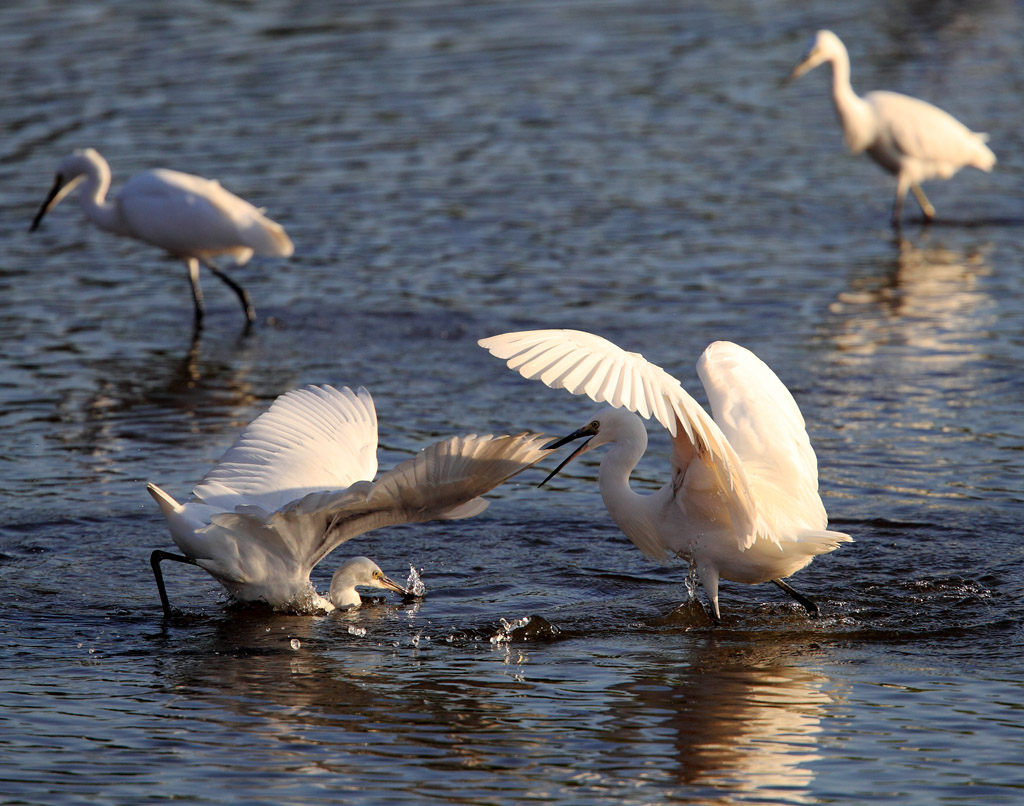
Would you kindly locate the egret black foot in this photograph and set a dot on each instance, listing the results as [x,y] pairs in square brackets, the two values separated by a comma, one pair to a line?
[154,561]
[808,605]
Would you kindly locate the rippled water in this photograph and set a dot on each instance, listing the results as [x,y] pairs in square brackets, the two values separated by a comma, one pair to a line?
[450,171]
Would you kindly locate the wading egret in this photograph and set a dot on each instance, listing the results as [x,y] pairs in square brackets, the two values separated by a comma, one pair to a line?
[298,482]
[190,217]
[743,501]
[908,137]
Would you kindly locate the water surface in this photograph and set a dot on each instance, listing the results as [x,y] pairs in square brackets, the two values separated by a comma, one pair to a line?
[449,171]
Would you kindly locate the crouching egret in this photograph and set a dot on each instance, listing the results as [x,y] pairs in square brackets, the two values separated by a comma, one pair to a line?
[906,136]
[190,217]
[358,572]
[743,501]
[298,482]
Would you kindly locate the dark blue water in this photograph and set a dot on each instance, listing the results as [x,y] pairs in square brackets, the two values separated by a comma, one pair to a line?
[451,171]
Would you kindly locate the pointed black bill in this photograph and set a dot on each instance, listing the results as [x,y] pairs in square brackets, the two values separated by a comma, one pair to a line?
[587,431]
[51,198]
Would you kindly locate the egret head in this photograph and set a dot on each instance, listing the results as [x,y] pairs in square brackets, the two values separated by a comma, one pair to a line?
[824,47]
[608,425]
[359,571]
[72,170]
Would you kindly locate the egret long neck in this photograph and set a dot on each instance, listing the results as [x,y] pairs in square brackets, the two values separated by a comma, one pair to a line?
[635,514]
[853,111]
[93,199]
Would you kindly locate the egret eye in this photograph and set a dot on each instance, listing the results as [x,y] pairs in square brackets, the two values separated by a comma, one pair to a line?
[595,425]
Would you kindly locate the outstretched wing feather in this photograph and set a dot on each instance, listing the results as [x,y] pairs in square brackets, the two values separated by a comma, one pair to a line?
[310,439]
[624,379]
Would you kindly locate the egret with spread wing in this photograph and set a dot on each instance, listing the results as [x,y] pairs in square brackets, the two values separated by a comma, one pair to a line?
[190,217]
[908,137]
[742,504]
[298,483]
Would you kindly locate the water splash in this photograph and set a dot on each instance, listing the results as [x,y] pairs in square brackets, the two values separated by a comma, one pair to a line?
[419,638]
[414,583]
[692,582]
[504,634]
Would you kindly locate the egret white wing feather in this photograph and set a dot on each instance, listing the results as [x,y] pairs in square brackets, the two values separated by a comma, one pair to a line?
[444,481]
[606,373]
[762,421]
[191,215]
[311,439]
[923,131]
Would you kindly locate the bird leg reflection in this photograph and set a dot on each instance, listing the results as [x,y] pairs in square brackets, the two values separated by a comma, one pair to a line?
[808,605]
[154,560]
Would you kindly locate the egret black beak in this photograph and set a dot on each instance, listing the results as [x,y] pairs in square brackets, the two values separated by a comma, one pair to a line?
[391,585]
[52,198]
[588,431]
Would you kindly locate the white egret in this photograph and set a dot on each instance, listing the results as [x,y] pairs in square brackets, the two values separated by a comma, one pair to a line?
[742,503]
[358,572]
[298,482]
[190,217]
[908,137]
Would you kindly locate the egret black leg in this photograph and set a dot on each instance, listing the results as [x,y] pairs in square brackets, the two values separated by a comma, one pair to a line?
[197,289]
[154,560]
[809,606]
[243,295]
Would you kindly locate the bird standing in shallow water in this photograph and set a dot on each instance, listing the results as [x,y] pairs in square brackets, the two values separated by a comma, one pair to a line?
[908,137]
[743,501]
[190,217]
[298,483]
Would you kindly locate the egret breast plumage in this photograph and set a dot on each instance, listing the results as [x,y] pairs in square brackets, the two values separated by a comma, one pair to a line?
[299,482]
[743,502]
[908,137]
[188,216]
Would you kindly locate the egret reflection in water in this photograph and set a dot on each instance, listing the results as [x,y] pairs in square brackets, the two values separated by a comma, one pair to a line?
[746,723]
[927,303]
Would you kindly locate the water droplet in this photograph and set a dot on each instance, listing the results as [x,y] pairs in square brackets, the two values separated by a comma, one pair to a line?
[296,643]
[504,634]
[414,583]
[360,631]
[692,582]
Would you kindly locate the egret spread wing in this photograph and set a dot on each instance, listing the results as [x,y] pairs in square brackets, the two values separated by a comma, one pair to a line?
[311,439]
[761,420]
[444,481]
[587,364]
